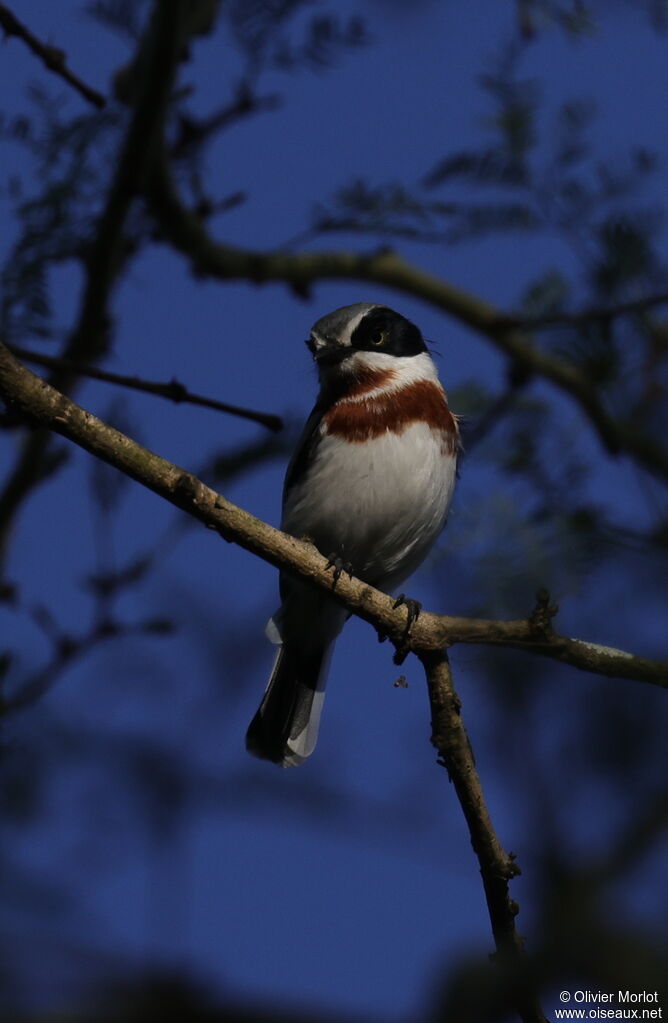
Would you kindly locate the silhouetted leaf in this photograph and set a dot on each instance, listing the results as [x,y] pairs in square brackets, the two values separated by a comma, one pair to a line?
[626,252]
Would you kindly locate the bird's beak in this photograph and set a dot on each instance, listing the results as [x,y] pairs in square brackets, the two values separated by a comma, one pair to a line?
[326,352]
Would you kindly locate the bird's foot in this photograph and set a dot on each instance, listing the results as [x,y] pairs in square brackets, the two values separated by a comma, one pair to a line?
[413,608]
[340,566]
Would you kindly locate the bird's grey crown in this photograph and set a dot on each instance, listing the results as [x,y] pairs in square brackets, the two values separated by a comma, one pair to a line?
[337,326]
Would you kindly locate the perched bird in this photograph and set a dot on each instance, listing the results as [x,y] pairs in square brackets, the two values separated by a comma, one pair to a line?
[369,484]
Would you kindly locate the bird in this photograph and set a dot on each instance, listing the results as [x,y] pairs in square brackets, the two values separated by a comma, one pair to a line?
[370,484]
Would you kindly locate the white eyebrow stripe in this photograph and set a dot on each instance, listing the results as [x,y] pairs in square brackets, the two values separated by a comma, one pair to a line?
[351,326]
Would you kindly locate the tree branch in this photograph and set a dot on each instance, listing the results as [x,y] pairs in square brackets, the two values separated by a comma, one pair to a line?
[54,59]
[172,389]
[186,232]
[35,398]
[497,868]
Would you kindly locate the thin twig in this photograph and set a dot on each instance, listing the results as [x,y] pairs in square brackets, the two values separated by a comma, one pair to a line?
[497,868]
[52,57]
[33,397]
[66,651]
[193,133]
[172,389]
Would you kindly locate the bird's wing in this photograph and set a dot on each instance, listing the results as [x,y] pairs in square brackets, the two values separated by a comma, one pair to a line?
[305,451]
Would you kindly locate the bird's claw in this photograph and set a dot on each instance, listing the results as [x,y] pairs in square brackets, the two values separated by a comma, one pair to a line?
[413,609]
[340,566]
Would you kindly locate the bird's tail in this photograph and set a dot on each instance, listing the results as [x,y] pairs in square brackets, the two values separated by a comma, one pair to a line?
[285,727]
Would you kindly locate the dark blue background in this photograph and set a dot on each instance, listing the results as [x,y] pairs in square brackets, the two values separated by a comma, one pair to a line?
[348,884]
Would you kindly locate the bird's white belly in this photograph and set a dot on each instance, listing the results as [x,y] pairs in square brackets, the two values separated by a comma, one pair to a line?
[378,504]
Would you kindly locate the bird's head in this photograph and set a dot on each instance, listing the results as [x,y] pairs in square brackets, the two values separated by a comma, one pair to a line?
[363,336]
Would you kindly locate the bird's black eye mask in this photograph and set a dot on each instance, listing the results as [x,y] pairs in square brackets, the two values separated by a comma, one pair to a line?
[383,330]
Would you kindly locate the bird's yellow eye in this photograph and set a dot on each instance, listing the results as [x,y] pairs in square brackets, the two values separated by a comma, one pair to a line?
[378,337]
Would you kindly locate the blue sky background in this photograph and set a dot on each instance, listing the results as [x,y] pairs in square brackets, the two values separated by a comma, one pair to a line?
[349,884]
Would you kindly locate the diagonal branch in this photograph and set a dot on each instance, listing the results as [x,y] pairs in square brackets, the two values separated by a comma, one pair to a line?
[497,868]
[35,398]
[51,56]
[171,389]
[186,232]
